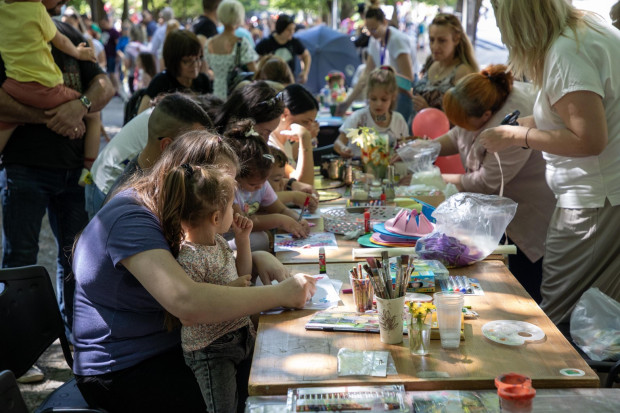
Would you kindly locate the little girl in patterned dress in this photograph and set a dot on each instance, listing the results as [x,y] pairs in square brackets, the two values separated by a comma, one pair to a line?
[219,354]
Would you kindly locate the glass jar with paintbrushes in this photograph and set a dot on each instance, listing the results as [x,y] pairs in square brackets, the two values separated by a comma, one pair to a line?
[362,290]
[390,295]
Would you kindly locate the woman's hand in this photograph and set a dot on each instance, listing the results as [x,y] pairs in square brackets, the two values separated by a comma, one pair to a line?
[241,225]
[268,268]
[297,290]
[498,138]
[242,281]
[419,103]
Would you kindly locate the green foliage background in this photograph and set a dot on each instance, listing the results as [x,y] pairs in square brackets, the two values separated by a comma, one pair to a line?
[192,8]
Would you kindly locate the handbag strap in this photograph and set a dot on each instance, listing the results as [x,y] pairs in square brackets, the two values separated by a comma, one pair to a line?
[238,54]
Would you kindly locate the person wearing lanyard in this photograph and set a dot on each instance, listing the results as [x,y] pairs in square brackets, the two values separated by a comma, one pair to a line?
[387,46]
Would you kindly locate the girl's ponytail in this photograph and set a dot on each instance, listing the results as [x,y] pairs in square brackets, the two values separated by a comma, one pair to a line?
[171,205]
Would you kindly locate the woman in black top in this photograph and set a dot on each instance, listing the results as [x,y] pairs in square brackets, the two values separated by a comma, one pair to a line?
[183,58]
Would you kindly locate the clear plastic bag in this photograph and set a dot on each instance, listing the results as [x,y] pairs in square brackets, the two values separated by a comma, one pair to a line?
[468,228]
[420,154]
[595,325]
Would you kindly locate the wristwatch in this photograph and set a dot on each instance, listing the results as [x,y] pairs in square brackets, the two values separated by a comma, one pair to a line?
[84,100]
[289,184]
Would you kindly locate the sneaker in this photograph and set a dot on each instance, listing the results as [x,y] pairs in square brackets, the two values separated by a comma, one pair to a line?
[33,375]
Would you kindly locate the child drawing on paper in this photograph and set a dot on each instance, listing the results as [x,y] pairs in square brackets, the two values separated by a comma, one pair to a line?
[255,197]
[277,180]
[200,199]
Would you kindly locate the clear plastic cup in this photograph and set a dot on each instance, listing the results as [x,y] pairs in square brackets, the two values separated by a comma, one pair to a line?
[449,306]
[362,293]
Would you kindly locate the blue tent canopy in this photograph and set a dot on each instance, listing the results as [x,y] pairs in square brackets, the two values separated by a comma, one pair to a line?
[330,50]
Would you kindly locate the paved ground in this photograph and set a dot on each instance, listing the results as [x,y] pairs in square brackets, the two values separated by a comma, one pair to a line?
[52,361]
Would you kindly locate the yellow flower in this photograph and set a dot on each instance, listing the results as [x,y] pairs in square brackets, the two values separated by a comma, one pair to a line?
[419,311]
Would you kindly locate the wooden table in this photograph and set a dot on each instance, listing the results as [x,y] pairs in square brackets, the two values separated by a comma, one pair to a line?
[287,355]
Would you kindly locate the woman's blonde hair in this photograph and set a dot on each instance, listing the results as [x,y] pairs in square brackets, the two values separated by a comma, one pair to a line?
[529,28]
[230,13]
[464,50]
[477,93]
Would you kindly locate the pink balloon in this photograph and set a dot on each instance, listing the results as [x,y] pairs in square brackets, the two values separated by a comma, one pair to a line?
[450,164]
[430,122]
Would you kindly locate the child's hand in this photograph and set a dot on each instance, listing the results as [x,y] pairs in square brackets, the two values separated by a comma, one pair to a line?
[86,53]
[299,199]
[241,225]
[242,281]
[294,227]
[296,132]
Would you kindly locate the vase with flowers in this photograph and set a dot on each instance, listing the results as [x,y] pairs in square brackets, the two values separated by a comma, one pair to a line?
[419,328]
[375,149]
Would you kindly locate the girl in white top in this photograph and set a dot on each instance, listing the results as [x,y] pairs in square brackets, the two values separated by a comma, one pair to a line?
[379,114]
[570,56]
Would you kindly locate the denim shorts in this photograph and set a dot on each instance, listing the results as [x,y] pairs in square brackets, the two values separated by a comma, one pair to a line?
[223,369]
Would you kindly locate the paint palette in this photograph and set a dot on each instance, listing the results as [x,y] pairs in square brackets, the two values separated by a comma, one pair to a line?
[512,332]
[347,399]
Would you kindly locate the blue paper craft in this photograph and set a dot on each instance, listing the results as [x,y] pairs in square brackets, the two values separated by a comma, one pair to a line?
[380,228]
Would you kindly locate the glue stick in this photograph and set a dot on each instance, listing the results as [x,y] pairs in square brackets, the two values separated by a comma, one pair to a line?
[322,266]
[367,221]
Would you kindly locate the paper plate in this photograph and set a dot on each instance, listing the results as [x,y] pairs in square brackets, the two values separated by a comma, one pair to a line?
[327,184]
[380,228]
[364,241]
[512,332]
[423,298]
[328,195]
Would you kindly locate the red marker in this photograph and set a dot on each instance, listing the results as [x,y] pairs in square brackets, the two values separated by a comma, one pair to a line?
[367,221]
[304,208]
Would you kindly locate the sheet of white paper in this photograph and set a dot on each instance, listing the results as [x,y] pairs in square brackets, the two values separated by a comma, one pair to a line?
[326,296]
[316,240]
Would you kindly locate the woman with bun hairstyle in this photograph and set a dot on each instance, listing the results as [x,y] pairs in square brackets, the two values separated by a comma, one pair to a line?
[479,101]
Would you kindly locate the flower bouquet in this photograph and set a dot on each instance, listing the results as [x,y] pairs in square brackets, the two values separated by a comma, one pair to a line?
[375,149]
[419,329]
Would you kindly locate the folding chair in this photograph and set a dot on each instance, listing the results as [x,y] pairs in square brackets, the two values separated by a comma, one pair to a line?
[30,322]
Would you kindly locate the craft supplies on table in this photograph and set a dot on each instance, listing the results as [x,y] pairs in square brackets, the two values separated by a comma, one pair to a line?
[342,220]
[286,242]
[461,283]
[362,363]
[350,399]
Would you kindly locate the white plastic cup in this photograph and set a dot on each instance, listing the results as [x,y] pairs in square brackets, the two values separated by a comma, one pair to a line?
[391,319]
[449,306]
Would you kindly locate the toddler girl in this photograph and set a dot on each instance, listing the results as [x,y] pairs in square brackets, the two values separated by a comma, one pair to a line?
[382,92]
[277,180]
[254,196]
[200,199]
[32,76]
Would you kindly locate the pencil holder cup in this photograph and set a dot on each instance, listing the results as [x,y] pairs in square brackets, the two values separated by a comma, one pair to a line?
[362,293]
[391,319]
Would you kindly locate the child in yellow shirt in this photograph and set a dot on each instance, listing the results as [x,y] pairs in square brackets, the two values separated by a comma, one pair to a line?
[32,76]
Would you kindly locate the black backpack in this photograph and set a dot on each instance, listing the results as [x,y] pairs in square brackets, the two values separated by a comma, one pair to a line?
[133,104]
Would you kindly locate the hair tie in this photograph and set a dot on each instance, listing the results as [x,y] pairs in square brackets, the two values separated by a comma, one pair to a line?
[189,171]
[252,132]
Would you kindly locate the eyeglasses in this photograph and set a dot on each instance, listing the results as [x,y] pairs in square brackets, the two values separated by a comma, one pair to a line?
[191,60]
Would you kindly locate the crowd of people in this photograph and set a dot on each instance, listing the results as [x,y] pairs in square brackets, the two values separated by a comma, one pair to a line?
[160,233]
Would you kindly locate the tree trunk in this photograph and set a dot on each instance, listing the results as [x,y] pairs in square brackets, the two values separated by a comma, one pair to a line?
[125,15]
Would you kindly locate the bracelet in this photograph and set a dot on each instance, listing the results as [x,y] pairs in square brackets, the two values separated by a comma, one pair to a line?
[89,159]
[527,145]
[289,184]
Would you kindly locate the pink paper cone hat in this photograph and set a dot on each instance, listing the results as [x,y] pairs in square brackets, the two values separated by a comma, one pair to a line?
[410,223]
